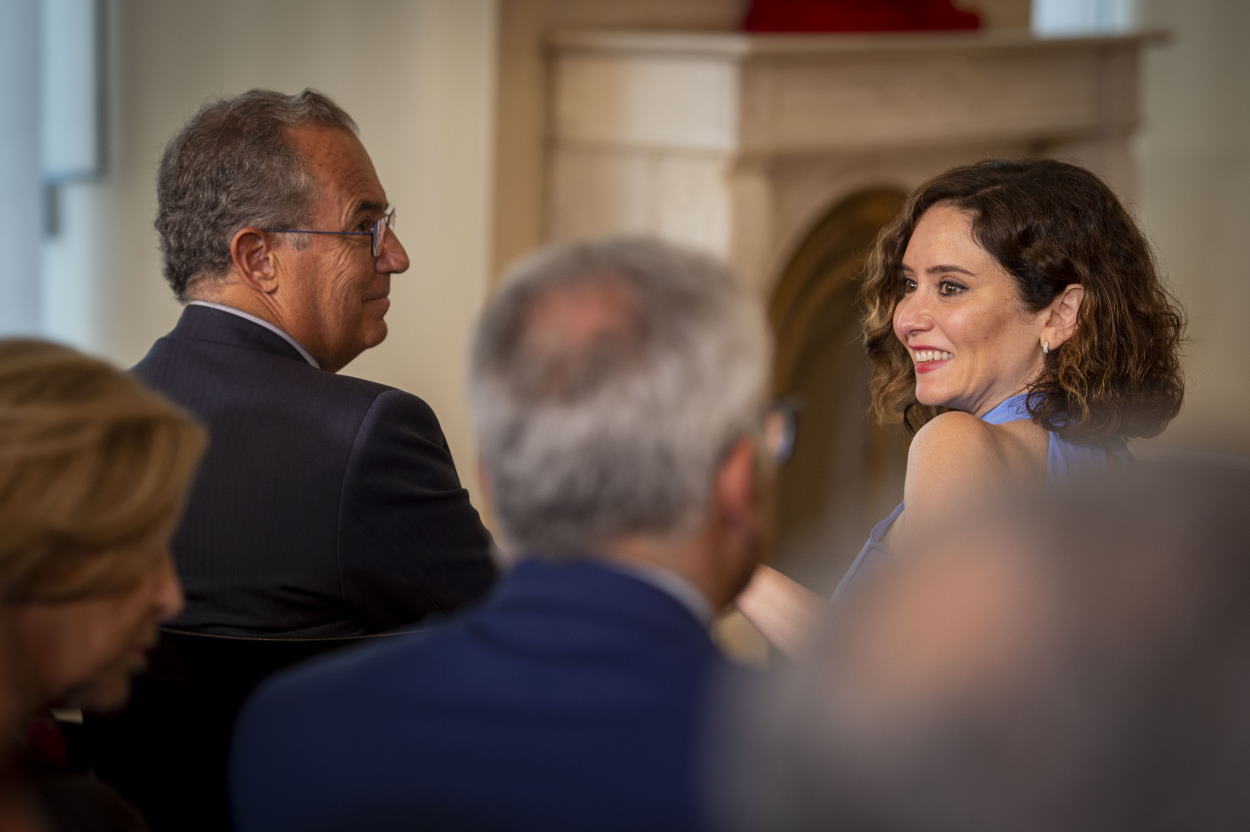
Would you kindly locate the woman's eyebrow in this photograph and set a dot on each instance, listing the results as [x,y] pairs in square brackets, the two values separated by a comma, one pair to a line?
[938,269]
[947,269]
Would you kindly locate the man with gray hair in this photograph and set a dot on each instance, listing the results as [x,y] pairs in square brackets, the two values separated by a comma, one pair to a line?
[618,389]
[327,505]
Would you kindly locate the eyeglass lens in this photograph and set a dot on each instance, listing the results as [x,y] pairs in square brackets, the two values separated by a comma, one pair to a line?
[379,231]
[780,427]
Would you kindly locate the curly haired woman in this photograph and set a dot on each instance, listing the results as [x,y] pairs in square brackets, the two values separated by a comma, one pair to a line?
[1016,322]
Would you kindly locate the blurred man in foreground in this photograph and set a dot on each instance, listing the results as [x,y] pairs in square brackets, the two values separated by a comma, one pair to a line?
[618,389]
[1075,661]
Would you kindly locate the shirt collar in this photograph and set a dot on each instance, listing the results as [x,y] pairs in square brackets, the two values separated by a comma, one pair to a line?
[671,584]
[260,322]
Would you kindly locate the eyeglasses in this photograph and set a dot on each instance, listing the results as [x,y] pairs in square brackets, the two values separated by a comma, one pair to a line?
[377,232]
[781,428]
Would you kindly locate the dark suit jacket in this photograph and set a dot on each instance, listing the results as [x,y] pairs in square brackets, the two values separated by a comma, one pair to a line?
[326,505]
[572,699]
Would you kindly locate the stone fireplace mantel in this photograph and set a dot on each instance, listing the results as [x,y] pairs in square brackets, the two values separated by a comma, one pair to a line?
[772,94]
[739,142]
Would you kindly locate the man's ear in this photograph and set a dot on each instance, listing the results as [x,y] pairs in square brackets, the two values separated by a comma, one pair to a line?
[1062,314]
[253,259]
[736,486]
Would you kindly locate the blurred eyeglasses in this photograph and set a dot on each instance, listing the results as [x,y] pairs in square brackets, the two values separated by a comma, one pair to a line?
[780,428]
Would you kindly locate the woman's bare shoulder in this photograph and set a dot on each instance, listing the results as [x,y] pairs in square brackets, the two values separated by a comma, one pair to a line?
[968,445]
[958,457]
[953,437]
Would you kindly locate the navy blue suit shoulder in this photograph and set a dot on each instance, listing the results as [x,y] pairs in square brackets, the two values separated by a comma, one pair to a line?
[325,505]
[572,698]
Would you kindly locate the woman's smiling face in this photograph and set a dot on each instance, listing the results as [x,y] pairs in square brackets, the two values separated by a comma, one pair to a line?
[958,315]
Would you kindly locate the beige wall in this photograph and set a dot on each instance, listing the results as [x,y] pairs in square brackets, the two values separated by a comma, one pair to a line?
[1194,178]
[418,77]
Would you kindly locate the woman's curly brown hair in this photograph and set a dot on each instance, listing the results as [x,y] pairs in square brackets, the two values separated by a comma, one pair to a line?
[1048,224]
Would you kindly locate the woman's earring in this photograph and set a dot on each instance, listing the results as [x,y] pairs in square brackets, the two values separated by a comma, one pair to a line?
[1045,348]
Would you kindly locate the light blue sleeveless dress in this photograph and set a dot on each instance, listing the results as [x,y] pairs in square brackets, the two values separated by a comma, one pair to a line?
[1063,460]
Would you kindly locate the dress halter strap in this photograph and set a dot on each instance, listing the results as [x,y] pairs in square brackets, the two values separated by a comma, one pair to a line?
[1013,409]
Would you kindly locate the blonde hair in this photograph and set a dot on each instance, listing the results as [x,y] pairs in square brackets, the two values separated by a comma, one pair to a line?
[93,472]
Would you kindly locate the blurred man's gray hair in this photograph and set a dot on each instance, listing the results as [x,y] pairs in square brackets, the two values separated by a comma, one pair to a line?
[607,380]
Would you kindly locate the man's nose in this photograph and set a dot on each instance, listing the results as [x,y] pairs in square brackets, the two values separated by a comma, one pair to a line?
[394,258]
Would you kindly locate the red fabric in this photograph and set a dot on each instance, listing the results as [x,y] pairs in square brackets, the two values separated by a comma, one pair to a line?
[857,16]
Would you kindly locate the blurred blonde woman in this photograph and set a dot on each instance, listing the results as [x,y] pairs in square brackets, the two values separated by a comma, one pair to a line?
[93,472]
